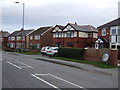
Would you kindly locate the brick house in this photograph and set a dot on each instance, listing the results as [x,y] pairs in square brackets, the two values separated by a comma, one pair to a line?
[74,35]
[40,37]
[109,35]
[4,38]
[18,39]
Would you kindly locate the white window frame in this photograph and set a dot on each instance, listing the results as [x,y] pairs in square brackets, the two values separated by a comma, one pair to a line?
[9,38]
[71,34]
[12,38]
[18,38]
[23,38]
[37,45]
[104,32]
[12,45]
[114,28]
[31,37]
[37,37]
[58,34]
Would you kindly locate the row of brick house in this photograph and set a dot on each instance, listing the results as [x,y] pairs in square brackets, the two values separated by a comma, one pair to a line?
[74,35]
[30,39]
[4,38]
[70,35]
[109,35]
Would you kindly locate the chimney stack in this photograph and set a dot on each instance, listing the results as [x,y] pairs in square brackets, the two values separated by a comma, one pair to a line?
[75,23]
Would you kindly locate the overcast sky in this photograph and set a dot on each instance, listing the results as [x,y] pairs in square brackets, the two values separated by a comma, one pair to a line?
[51,12]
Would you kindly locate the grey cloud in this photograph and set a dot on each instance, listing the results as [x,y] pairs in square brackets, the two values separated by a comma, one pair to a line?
[52,14]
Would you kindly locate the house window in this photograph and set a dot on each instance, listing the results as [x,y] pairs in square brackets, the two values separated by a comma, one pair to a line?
[18,37]
[23,38]
[58,34]
[38,45]
[12,45]
[9,38]
[90,35]
[70,34]
[18,45]
[12,38]
[37,37]
[103,32]
[113,32]
[31,37]
[113,39]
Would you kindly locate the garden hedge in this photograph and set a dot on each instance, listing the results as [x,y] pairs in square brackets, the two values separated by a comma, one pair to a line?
[75,53]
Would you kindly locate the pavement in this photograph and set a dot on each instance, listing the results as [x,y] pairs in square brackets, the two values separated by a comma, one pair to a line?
[85,67]
[38,71]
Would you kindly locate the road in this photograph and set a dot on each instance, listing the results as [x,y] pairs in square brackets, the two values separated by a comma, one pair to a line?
[20,71]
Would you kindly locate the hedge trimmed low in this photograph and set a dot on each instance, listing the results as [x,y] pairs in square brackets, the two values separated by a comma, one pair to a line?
[75,53]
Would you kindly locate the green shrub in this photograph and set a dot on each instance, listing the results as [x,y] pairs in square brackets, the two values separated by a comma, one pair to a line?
[75,53]
[119,54]
[8,49]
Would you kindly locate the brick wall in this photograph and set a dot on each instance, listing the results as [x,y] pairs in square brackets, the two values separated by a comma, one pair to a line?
[47,39]
[92,54]
[107,33]
[78,42]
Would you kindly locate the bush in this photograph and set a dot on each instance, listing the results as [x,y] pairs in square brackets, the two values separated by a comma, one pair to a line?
[8,49]
[119,54]
[75,53]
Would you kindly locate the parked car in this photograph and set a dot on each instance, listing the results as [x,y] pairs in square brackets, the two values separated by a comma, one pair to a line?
[52,51]
[45,49]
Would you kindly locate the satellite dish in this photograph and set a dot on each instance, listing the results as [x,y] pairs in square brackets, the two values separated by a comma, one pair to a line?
[105,57]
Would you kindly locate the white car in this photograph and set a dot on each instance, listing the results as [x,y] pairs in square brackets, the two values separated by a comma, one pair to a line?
[45,49]
[52,51]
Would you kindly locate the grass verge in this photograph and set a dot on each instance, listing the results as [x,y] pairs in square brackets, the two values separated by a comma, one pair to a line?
[29,53]
[101,65]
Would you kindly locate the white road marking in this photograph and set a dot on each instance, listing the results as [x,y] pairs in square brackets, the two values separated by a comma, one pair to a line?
[48,74]
[24,64]
[45,82]
[41,74]
[66,81]
[14,65]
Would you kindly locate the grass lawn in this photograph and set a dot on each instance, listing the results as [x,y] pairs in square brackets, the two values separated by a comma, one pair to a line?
[101,65]
[30,53]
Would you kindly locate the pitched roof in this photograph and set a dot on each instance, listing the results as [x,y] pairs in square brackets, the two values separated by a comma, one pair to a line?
[115,22]
[60,26]
[14,33]
[85,28]
[19,33]
[4,33]
[40,30]
[24,32]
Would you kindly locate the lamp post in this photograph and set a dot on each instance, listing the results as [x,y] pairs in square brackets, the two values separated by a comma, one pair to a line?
[22,29]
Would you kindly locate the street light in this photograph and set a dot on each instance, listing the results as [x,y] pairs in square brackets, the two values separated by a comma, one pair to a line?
[22,29]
